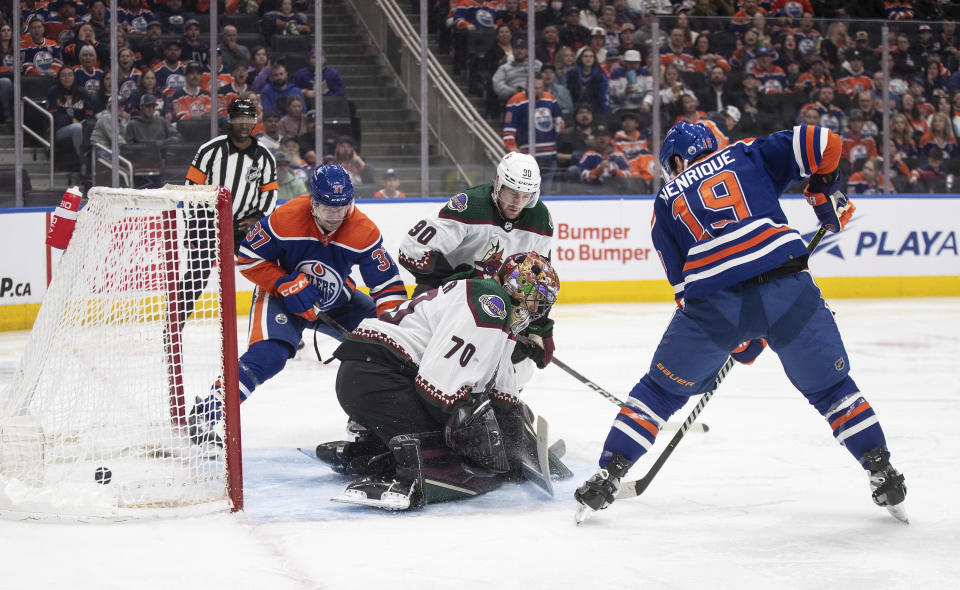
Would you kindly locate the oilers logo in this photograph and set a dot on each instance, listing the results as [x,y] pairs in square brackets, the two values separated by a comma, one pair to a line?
[485,18]
[128,86]
[543,120]
[493,306]
[200,107]
[327,281]
[176,82]
[42,60]
[92,86]
[138,24]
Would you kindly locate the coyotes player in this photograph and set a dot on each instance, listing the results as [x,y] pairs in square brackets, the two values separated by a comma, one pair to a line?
[478,229]
[439,362]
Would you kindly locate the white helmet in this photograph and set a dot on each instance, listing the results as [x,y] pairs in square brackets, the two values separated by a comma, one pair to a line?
[520,172]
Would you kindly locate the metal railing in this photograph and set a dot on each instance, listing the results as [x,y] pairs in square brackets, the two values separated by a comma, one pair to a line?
[108,163]
[463,134]
[48,143]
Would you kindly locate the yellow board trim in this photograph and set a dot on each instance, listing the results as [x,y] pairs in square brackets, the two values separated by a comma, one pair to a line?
[22,316]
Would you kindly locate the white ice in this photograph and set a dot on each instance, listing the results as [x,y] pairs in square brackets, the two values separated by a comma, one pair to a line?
[765,499]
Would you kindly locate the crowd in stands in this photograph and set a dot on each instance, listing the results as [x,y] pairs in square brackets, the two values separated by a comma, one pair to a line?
[744,67]
[163,75]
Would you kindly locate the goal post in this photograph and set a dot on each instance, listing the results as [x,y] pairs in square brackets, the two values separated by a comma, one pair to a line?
[138,322]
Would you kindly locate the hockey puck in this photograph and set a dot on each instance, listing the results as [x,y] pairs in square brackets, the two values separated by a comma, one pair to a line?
[102,475]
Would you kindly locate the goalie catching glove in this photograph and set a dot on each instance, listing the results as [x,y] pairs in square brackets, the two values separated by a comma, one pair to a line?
[298,294]
[474,433]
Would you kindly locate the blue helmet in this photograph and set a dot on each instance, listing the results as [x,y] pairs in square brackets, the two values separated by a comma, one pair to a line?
[331,186]
[687,140]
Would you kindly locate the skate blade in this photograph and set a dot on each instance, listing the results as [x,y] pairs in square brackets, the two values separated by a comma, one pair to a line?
[583,512]
[386,502]
[898,512]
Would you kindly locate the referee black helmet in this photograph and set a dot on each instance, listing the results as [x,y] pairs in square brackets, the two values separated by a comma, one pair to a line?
[242,107]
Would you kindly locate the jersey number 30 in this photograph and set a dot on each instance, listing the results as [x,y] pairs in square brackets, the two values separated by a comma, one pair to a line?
[720,193]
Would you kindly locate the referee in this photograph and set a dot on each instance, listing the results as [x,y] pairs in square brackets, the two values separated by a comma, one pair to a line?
[249,171]
[236,161]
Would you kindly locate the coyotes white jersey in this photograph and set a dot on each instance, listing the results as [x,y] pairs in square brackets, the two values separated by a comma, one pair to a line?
[456,338]
[470,234]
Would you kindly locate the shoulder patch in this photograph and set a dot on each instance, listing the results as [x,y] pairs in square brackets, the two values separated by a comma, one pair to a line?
[458,202]
[494,306]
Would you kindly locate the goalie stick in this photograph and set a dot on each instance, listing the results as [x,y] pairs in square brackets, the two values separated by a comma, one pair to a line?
[630,489]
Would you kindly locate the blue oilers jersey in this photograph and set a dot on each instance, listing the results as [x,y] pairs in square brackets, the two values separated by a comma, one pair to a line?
[720,222]
[288,241]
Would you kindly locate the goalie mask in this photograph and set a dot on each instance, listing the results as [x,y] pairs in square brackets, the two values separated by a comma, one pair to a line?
[533,286]
[521,174]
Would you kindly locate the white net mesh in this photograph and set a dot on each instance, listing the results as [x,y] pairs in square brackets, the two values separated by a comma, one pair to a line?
[94,422]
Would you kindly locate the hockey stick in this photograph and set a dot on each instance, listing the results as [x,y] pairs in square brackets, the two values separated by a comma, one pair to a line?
[325,318]
[603,392]
[631,489]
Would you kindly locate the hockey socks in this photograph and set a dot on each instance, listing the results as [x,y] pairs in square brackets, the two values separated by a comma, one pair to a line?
[853,421]
[639,421]
[262,361]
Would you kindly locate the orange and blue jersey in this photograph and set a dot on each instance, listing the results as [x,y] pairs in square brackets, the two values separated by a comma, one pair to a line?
[546,120]
[40,59]
[288,241]
[720,222]
[630,145]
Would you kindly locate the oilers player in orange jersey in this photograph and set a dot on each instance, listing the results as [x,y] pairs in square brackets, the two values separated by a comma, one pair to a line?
[300,258]
[739,273]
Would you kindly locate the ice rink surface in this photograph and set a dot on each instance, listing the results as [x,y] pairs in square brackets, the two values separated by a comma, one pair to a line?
[766,499]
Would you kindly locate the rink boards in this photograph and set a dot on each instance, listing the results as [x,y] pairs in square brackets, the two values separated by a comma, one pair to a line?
[896,246]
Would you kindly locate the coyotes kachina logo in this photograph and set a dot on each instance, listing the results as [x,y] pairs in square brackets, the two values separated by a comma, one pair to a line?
[491,261]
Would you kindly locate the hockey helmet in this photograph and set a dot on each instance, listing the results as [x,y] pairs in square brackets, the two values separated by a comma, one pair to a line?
[331,186]
[331,196]
[688,141]
[240,109]
[520,172]
[533,286]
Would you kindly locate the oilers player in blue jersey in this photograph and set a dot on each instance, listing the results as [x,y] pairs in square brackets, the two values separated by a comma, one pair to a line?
[739,275]
[300,258]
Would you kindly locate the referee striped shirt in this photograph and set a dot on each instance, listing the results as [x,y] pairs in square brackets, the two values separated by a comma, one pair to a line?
[250,175]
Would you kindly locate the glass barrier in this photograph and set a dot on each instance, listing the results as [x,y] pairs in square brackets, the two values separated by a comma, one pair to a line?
[612,86]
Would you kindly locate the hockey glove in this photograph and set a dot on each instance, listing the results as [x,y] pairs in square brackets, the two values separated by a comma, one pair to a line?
[537,349]
[834,211]
[298,294]
[474,433]
[748,352]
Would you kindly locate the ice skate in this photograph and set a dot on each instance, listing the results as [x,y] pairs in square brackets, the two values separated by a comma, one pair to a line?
[384,493]
[402,491]
[205,419]
[888,485]
[600,490]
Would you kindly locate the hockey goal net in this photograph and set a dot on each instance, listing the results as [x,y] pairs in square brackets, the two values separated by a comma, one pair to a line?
[137,322]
